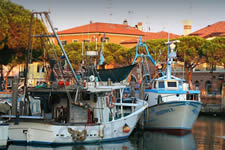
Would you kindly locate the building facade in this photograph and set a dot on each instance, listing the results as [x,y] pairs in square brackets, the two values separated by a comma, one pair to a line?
[100,32]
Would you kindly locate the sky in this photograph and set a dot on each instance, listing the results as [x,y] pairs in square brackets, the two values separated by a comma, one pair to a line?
[155,15]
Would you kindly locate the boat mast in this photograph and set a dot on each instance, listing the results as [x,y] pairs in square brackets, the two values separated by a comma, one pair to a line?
[60,44]
[170,57]
[26,97]
[142,56]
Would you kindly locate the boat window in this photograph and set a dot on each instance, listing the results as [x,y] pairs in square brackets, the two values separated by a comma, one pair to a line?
[172,84]
[161,84]
[154,84]
[180,84]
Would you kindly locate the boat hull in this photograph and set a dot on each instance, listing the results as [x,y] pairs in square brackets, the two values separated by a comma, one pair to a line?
[4,134]
[31,132]
[173,115]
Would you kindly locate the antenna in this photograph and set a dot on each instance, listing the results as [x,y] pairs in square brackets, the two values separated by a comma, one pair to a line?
[109,9]
[130,15]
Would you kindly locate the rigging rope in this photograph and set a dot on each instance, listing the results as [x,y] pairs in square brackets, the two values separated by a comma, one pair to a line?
[51,44]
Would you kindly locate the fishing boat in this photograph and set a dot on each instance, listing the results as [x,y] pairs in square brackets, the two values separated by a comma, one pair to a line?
[4,109]
[172,105]
[94,117]
[91,111]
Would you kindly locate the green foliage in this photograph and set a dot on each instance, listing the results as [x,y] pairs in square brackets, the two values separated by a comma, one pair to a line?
[158,50]
[14,24]
[116,54]
[113,53]
[74,51]
[214,50]
[190,51]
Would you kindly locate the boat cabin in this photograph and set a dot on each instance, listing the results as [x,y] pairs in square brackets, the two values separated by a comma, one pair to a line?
[165,90]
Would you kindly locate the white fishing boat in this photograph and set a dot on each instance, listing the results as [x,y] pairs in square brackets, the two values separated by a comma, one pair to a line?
[90,111]
[172,106]
[4,133]
[92,119]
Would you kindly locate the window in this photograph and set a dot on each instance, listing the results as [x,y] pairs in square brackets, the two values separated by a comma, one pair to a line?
[38,68]
[208,87]
[86,41]
[75,40]
[211,68]
[172,84]
[64,42]
[42,69]
[9,84]
[161,84]
[197,84]
[105,39]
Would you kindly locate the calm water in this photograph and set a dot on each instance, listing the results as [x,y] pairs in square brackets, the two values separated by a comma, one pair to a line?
[208,134]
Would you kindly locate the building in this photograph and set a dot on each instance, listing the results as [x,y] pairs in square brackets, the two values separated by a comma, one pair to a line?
[114,33]
[211,31]
[100,32]
[37,73]
[150,36]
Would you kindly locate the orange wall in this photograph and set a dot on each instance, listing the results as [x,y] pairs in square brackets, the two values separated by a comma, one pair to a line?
[113,38]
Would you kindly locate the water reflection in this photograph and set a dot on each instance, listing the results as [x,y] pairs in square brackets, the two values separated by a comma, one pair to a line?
[162,141]
[209,133]
[122,145]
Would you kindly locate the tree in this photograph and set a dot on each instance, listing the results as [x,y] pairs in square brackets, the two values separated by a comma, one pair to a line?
[116,54]
[215,51]
[14,30]
[74,51]
[190,51]
[158,50]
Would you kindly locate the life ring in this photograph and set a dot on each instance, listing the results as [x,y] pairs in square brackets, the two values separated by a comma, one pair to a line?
[110,101]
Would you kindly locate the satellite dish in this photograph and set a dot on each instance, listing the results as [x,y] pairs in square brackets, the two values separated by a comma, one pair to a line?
[92,78]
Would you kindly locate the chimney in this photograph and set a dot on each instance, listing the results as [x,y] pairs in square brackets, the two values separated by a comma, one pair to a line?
[139,26]
[187,26]
[91,22]
[125,22]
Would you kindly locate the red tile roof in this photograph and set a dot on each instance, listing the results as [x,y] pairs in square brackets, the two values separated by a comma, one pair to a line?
[103,28]
[217,29]
[159,35]
[152,35]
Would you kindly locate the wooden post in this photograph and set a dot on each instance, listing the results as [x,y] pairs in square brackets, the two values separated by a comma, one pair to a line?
[142,90]
[132,88]
[14,96]
[223,98]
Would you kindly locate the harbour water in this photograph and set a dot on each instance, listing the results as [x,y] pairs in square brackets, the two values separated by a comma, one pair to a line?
[208,133]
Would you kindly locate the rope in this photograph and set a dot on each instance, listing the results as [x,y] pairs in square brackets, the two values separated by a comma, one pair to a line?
[54,53]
